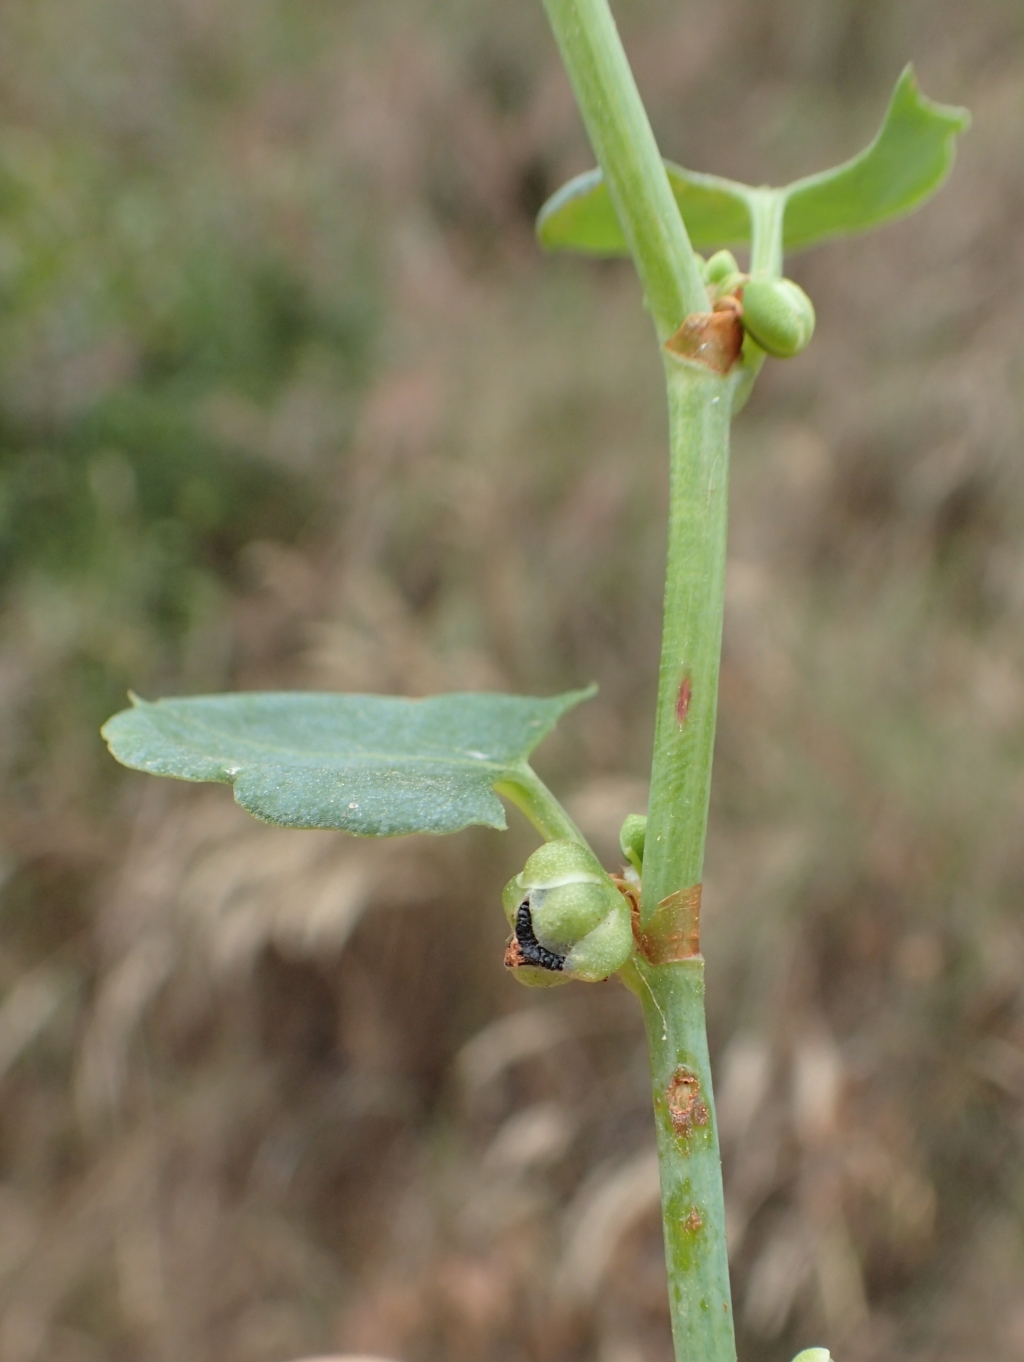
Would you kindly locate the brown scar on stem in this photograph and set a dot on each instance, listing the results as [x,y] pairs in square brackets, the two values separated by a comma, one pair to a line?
[673,933]
[683,700]
[694,1221]
[711,338]
[686,1107]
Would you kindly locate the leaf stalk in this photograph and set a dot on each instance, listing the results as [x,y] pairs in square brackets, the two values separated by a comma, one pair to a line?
[532,798]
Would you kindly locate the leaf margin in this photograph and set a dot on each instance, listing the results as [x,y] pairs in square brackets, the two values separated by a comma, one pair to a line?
[941,125]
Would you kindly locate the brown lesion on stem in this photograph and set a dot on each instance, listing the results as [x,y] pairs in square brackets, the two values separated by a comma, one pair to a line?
[714,338]
[673,933]
[686,1107]
[683,699]
[694,1222]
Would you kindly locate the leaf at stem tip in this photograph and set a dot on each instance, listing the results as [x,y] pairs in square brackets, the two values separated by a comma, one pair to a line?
[908,160]
[373,765]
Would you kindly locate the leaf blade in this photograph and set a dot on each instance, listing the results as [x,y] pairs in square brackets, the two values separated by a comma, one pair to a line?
[908,160]
[581,217]
[370,765]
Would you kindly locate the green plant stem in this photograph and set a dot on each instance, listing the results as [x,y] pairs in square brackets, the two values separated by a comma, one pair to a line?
[700,406]
[767,210]
[692,1198]
[533,798]
[672,994]
[700,403]
[624,144]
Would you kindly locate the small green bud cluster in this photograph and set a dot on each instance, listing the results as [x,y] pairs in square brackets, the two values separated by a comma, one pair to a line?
[722,275]
[568,919]
[777,313]
[632,836]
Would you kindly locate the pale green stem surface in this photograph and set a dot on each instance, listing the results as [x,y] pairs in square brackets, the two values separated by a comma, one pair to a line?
[692,1198]
[532,797]
[700,405]
[767,210]
[624,144]
[693,1204]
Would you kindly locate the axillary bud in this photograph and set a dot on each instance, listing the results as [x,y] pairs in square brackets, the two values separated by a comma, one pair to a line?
[632,836]
[720,265]
[568,919]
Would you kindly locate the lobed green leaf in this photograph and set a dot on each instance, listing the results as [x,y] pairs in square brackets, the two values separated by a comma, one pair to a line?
[373,765]
[581,216]
[907,161]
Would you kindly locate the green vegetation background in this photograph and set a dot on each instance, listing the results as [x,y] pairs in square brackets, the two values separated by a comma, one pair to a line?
[288,397]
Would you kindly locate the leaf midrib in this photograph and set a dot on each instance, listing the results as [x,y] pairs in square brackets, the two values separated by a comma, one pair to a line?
[372,756]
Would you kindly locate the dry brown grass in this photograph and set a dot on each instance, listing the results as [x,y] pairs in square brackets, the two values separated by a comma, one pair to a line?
[267,1093]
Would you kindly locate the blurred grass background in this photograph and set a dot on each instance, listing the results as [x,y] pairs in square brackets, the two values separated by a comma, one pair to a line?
[288,397]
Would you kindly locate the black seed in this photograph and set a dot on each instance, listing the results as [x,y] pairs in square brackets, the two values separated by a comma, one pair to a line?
[533,952]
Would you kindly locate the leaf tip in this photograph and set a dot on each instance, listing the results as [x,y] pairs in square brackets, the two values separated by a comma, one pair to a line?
[956,118]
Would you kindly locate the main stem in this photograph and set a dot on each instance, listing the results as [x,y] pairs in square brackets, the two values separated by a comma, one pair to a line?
[692,1200]
[668,973]
[671,981]
[699,403]
[624,144]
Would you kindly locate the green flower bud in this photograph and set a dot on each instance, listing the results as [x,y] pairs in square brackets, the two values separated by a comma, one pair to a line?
[568,919]
[719,265]
[778,314]
[813,1355]
[632,836]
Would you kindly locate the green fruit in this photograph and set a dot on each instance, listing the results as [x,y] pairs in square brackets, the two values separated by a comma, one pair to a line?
[534,977]
[778,314]
[568,919]
[606,949]
[562,862]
